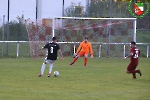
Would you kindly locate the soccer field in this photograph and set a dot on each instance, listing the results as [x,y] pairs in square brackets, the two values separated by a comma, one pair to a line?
[101,79]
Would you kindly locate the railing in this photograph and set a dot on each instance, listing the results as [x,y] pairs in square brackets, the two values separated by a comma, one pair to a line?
[14,49]
[22,48]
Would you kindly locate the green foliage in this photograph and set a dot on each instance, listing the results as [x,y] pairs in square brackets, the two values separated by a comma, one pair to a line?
[143,36]
[101,79]
[16,31]
[101,9]
[105,8]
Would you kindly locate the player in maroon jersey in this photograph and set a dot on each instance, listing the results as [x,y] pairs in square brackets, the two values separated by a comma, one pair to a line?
[134,55]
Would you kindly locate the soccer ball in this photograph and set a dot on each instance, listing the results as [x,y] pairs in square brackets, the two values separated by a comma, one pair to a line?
[56,73]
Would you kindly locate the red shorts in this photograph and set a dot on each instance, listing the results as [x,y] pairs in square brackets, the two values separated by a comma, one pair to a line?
[81,54]
[132,65]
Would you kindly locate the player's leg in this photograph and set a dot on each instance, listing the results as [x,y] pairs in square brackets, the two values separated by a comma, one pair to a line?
[136,71]
[139,72]
[50,67]
[43,67]
[85,58]
[74,60]
[131,69]
[80,54]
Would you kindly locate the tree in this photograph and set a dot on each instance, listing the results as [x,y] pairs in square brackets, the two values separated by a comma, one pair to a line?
[17,30]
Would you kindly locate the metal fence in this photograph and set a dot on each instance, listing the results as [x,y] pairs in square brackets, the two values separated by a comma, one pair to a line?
[110,50]
[14,49]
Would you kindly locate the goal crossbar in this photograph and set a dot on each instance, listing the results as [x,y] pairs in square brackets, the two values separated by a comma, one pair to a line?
[95,18]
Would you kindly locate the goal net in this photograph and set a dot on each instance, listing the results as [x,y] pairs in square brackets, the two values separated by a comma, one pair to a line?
[39,33]
[103,31]
[105,34]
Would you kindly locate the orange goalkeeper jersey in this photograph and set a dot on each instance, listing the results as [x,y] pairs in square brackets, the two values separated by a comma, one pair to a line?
[85,47]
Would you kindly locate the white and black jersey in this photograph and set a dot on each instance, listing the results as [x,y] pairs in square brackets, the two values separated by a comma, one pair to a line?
[52,50]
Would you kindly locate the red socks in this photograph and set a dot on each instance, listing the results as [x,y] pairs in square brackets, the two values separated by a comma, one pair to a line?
[74,60]
[85,61]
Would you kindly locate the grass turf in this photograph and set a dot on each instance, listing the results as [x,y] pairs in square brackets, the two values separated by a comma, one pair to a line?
[101,79]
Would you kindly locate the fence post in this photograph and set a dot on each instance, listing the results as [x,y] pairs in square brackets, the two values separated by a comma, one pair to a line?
[124,50]
[17,51]
[8,27]
[147,50]
[99,54]
[74,48]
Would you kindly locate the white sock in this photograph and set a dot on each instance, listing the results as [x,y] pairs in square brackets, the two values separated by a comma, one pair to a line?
[50,67]
[43,68]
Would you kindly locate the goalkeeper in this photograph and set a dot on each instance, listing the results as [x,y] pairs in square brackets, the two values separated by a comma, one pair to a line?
[83,50]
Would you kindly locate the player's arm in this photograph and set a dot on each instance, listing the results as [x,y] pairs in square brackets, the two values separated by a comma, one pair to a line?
[139,53]
[61,54]
[91,50]
[45,46]
[78,50]
[131,54]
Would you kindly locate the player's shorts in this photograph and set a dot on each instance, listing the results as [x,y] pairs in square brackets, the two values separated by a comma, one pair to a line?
[82,53]
[132,66]
[48,60]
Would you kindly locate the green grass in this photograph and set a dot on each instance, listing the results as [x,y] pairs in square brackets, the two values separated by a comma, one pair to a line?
[101,79]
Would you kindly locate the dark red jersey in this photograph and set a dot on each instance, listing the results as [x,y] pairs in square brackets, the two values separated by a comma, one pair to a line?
[135,53]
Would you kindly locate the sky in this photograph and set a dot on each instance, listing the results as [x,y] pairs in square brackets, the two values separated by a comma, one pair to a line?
[50,8]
